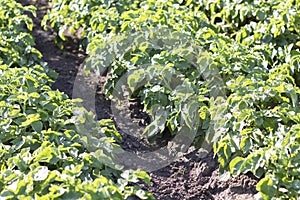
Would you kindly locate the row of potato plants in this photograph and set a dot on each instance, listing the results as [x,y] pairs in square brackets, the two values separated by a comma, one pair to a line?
[253,44]
[42,153]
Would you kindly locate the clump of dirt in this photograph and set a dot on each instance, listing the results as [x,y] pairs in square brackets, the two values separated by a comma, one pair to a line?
[190,177]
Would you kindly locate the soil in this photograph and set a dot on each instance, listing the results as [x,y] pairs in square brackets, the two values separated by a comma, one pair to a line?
[189,177]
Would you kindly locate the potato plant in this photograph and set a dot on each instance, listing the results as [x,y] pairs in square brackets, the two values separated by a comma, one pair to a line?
[16,43]
[254,45]
[42,154]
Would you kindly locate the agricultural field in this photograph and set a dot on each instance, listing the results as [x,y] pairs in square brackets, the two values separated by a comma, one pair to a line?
[166,99]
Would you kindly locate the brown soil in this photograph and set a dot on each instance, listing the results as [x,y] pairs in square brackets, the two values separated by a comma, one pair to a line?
[190,177]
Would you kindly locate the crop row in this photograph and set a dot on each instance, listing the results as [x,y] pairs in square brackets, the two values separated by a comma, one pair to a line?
[42,154]
[254,45]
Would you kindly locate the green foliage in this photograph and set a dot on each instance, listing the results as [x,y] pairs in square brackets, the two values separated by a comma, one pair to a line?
[42,154]
[270,27]
[260,131]
[16,44]
[250,46]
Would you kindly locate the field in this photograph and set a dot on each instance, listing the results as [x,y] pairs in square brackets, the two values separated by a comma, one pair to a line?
[149,99]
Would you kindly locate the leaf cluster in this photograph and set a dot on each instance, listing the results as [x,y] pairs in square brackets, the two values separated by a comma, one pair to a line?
[42,153]
[249,53]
